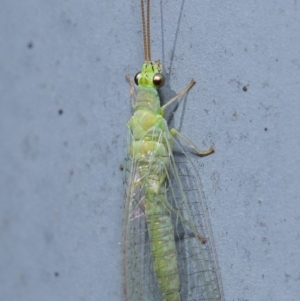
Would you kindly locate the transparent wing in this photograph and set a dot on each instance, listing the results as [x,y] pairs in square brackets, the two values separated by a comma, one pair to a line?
[197,261]
[139,277]
[198,266]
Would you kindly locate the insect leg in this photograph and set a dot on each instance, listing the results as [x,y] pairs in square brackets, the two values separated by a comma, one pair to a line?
[132,91]
[184,221]
[191,144]
[181,93]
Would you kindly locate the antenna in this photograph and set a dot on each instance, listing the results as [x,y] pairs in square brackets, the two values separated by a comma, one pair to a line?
[146,30]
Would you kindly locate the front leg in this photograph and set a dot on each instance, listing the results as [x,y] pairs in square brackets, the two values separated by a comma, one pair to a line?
[132,91]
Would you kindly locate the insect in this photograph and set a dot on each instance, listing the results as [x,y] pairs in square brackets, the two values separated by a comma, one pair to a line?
[168,251]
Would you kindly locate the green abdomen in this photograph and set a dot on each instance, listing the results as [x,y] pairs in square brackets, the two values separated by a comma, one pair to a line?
[161,234]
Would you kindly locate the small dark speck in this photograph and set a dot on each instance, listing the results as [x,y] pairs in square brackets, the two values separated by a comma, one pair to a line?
[245,88]
[266,129]
[56,274]
[121,167]
[30,45]
[60,111]
[234,116]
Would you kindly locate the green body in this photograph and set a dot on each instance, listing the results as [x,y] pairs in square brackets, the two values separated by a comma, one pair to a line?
[168,250]
[150,149]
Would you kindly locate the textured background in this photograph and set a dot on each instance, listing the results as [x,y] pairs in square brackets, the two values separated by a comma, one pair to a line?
[64,103]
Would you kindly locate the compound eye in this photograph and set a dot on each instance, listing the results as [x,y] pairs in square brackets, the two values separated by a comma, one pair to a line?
[137,77]
[158,80]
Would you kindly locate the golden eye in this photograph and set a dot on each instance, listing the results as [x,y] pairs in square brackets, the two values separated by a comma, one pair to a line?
[158,80]
[137,77]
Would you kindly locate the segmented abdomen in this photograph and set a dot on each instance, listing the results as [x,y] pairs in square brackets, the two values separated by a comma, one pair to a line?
[161,234]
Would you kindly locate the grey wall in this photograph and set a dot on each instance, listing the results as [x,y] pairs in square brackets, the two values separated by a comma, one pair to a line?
[64,103]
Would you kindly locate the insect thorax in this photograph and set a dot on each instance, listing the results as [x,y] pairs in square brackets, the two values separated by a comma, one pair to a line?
[147,97]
